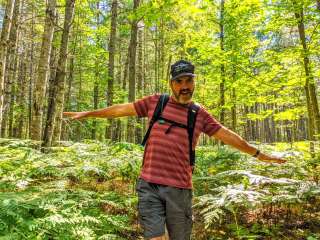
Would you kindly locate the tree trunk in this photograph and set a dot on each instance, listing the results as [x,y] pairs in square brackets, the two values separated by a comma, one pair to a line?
[222,65]
[31,70]
[310,88]
[234,110]
[110,131]
[21,98]
[117,136]
[42,72]
[234,100]
[132,70]
[65,132]
[11,72]
[139,126]
[55,104]
[4,41]
[80,95]
[95,106]
[156,61]
[96,78]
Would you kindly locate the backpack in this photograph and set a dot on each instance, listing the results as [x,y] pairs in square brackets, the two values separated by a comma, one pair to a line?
[192,116]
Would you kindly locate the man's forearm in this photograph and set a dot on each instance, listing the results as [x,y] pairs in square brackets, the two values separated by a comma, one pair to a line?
[231,138]
[119,110]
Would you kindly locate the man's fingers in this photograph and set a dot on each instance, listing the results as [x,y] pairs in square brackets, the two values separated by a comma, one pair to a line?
[280,161]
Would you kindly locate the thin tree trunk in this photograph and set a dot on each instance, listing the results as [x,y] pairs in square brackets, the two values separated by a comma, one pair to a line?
[222,65]
[132,70]
[310,88]
[156,66]
[21,98]
[139,83]
[110,131]
[31,70]
[234,110]
[65,131]
[80,96]
[42,72]
[96,81]
[11,72]
[55,104]
[5,33]
[162,55]
[117,132]
[95,106]
[53,69]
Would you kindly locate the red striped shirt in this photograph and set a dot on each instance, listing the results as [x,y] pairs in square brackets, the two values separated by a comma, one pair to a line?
[166,156]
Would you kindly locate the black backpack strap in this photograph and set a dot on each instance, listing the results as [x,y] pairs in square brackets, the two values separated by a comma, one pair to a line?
[163,100]
[192,117]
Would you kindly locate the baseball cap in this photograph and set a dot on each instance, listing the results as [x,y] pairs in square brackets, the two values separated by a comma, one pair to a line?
[182,68]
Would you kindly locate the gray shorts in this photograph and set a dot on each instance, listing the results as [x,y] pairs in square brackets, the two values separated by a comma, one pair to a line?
[161,205]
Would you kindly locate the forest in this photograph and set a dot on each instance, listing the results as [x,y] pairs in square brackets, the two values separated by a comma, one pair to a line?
[258,73]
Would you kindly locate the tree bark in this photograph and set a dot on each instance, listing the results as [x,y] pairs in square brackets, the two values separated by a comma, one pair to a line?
[139,126]
[234,110]
[55,104]
[110,131]
[5,33]
[95,106]
[310,88]
[21,98]
[42,72]
[222,65]
[65,132]
[12,59]
[31,69]
[132,70]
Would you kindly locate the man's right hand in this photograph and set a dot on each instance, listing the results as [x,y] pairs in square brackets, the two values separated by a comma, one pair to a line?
[75,115]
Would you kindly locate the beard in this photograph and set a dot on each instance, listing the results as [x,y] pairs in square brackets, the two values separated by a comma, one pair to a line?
[183,96]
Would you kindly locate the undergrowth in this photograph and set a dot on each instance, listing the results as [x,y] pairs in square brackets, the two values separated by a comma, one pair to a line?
[86,191]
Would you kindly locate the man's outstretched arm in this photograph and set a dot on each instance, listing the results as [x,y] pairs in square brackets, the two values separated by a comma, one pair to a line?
[119,110]
[231,138]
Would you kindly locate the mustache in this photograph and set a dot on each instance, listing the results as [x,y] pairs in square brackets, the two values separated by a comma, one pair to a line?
[185,91]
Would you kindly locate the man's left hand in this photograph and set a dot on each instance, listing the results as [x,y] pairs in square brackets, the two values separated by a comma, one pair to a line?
[271,159]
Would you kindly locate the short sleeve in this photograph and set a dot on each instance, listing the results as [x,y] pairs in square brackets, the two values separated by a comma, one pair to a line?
[142,106]
[210,124]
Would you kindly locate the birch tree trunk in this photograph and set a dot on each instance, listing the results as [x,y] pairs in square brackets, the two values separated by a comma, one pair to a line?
[55,104]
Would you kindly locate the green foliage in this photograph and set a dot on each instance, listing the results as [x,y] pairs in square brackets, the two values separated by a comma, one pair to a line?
[86,191]
[246,199]
[63,194]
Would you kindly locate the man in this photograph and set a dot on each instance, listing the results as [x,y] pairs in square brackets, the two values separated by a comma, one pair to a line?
[165,184]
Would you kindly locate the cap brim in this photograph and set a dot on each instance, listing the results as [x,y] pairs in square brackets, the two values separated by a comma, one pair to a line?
[183,74]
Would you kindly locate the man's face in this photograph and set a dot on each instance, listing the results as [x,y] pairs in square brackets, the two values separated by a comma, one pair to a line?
[182,89]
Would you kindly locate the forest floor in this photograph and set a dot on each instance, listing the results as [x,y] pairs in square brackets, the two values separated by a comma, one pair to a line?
[87,191]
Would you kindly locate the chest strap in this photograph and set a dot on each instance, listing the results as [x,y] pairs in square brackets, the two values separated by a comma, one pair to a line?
[192,115]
